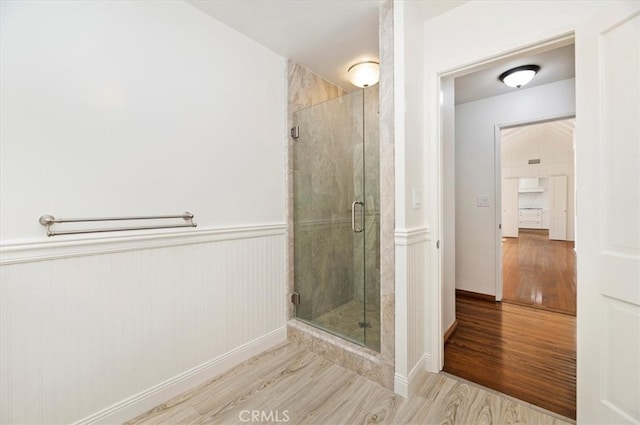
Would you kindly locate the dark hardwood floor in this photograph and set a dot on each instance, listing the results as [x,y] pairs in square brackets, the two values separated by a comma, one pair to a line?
[539,272]
[520,351]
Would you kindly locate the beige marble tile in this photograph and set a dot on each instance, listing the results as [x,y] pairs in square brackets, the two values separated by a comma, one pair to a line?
[299,337]
[304,89]
[328,350]
[387,326]
[356,358]
[387,183]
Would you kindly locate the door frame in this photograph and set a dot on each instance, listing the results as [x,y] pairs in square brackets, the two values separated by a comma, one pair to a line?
[437,165]
[497,145]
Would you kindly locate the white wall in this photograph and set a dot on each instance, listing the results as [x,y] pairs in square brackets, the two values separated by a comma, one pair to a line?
[134,108]
[475,172]
[125,108]
[408,146]
[413,232]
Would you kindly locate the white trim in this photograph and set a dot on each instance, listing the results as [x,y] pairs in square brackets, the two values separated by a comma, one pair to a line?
[152,397]
[24,252]
[497,192]
[421,366]
[401,385]
[412,236]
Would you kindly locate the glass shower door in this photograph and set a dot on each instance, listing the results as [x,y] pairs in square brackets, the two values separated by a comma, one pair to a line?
[329,216]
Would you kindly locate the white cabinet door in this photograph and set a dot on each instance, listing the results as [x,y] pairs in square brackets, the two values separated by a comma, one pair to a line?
[510,208]
[608,183]
[558,208]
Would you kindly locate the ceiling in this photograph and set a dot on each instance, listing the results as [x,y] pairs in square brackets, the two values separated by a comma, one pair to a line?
[324,36]
[328,36]
[555,65]
[559,130]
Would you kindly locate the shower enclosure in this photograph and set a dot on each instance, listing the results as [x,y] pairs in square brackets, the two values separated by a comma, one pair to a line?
[336,216]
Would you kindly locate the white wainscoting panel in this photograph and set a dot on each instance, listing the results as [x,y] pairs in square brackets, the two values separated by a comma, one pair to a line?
[416,290]
[411,278]
[79,335]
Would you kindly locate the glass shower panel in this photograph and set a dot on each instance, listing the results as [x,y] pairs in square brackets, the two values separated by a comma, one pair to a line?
[329,216]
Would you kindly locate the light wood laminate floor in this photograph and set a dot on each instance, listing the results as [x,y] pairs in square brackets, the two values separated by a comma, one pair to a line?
[539,272]
[295,386]
[527,353]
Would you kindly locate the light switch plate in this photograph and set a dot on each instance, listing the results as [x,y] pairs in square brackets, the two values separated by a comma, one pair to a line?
[482,201]
[417,198]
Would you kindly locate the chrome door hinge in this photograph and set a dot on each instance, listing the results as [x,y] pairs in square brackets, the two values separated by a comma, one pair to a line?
[295,298]
[295,132]
[437,244]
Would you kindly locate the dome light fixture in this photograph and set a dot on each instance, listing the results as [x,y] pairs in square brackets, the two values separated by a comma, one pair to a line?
[519,76]
[364,74]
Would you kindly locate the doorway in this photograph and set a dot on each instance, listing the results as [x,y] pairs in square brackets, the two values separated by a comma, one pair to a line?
[523,352]
[536,164]
[606,38]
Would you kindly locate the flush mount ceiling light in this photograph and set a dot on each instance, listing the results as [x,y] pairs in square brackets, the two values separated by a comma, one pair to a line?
[364,74]
[519,76]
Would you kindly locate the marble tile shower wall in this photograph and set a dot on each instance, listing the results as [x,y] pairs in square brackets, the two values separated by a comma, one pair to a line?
[304,89]
[333,265]
[323,164]
[326,175]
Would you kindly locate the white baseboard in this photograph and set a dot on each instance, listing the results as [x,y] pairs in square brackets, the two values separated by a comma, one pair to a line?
[401,384]
[421,366]
[150,398]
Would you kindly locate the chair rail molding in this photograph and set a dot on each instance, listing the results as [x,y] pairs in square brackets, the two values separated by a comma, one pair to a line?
[15,252]
[412,236]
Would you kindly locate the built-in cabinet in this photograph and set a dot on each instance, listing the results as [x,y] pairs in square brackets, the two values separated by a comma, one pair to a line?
[530,218]
[535,203]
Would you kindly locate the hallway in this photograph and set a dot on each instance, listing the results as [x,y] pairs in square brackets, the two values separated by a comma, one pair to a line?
[526,353]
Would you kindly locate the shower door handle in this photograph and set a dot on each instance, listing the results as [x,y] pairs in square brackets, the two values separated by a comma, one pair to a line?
[353,216]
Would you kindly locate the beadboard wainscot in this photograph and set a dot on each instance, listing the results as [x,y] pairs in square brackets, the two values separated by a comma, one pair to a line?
[412,247]
[100,330]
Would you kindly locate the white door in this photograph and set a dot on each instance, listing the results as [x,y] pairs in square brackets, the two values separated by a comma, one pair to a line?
[608,185]
[558,208]
[510,208]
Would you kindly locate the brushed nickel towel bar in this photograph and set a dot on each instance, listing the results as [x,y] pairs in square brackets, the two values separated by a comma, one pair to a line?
[49,220]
